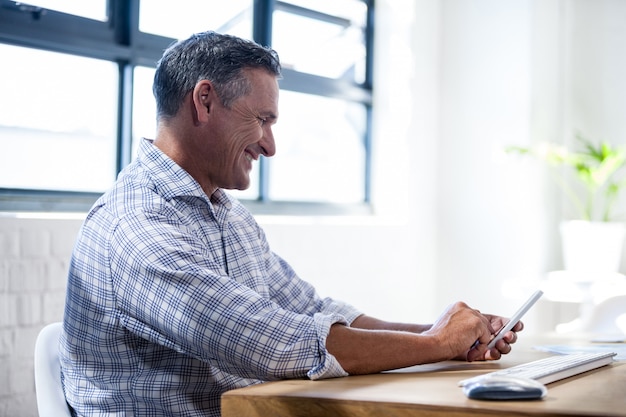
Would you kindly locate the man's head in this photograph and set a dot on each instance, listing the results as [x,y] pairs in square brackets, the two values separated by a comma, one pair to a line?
[211,56]
[217,100]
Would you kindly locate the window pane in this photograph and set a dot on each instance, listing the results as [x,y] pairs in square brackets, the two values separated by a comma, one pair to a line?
[57,121]
[185,17]
[320,153]
[144,106]
[327,39]
[91,9]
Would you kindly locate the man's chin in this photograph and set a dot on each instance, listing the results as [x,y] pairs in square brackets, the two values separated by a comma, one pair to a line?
[240,184]
[243,187]
[239,187]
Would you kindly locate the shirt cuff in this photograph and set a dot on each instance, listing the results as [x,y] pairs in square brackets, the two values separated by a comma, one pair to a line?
[329,366]
[331,306]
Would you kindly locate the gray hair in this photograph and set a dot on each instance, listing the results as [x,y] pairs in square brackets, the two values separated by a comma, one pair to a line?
[211,56]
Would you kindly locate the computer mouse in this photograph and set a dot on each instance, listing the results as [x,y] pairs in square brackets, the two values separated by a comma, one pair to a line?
[505,388]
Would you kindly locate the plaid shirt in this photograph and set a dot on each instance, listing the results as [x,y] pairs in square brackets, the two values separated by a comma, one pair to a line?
[174,298]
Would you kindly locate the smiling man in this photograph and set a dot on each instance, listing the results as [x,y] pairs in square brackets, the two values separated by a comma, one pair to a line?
[174,295]
[216,143]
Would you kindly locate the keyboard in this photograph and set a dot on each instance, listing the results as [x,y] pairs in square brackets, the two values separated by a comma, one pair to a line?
[553,368]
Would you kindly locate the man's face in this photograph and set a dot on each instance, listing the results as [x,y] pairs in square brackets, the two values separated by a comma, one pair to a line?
[242,133]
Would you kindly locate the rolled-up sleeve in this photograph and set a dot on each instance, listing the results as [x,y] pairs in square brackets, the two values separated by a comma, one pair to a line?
[329,367]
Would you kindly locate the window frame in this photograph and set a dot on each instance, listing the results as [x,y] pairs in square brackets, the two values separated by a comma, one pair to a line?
[119,40]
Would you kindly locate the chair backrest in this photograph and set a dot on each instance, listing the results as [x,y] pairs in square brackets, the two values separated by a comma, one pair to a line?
[50,397]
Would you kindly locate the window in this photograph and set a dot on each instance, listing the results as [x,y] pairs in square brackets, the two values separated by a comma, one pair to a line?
[232,16]
[92,9]
[77,96]
[42,147]
[324,145]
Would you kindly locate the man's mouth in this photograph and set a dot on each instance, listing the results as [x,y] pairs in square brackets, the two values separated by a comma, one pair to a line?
[250,156]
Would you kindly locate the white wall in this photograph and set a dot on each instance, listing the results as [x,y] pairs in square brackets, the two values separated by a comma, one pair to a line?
[456,81]
[490,224]
[515,73]
[595,67]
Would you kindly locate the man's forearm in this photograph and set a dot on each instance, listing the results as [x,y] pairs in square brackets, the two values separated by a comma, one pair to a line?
[365,351]
[371,323]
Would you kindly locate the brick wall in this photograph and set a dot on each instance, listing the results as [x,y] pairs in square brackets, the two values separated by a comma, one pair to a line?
[34,257]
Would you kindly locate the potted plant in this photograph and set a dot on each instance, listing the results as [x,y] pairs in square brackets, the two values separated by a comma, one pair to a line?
[593,241]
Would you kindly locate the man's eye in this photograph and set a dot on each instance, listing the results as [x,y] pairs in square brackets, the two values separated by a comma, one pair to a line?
[262,121]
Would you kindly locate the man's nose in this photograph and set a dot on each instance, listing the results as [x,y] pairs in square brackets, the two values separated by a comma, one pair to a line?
[267,143]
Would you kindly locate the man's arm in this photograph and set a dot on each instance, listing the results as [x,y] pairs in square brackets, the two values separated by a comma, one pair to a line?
[372,323]
[370,345]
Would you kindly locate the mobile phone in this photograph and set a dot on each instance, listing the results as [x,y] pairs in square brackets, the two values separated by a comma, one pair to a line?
[515,318]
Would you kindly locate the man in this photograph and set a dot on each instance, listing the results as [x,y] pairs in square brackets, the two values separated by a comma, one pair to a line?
[174,295]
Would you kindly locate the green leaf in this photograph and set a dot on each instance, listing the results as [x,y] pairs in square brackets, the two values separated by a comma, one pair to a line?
[596,167]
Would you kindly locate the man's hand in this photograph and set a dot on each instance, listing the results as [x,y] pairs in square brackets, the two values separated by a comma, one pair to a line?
[461,329]
[502,347]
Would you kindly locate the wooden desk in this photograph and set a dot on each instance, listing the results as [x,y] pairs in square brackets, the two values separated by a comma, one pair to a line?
[430,390]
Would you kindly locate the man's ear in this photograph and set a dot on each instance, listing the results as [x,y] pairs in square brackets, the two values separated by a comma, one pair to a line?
[203,96]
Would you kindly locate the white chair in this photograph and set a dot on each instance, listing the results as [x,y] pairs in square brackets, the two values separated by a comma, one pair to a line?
[50,398]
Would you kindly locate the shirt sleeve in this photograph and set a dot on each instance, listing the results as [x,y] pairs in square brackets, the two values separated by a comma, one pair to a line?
[171,290]
[329,367]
